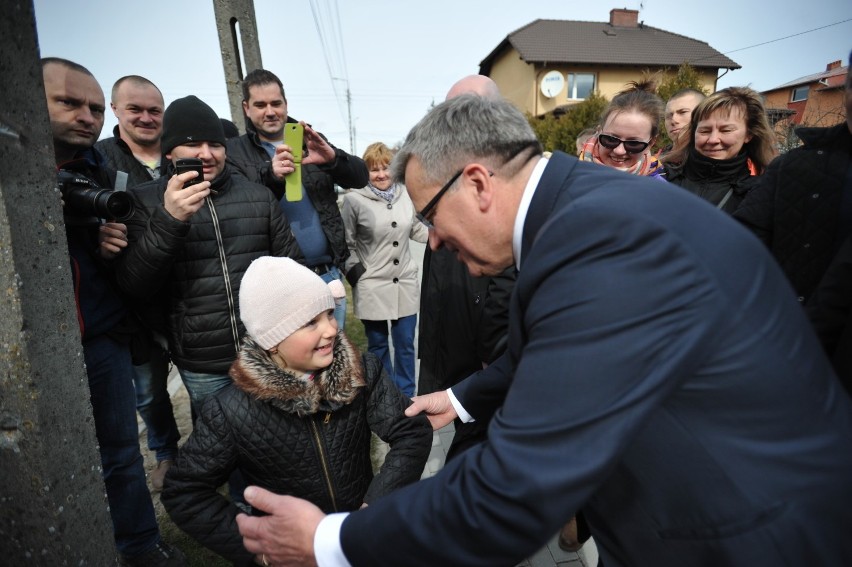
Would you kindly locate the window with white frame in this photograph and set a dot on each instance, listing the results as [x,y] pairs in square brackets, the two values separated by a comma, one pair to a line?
[799,93]
[580,85]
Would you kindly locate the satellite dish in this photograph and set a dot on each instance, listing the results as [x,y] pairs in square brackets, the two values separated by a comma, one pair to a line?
[552,84]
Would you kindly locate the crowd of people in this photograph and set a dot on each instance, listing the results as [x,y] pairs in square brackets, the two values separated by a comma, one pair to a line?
[621,360]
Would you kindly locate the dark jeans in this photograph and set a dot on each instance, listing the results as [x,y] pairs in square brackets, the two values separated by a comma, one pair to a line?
[110,374]
[402,333]
[155,406]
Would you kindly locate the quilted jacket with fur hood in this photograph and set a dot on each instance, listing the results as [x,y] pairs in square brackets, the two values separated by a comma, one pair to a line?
[303,437]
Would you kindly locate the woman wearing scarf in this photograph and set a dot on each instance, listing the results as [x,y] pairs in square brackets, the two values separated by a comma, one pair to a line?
[379,221]
[730,142]
[628,131]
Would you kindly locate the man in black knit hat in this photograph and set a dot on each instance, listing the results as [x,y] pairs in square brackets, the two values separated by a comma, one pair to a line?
[190,243]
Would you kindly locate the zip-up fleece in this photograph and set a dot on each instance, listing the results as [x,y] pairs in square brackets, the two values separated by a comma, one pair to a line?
[304,436]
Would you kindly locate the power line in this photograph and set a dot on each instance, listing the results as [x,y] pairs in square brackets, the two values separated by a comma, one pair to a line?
[789,36]
[775,40]
[327,22]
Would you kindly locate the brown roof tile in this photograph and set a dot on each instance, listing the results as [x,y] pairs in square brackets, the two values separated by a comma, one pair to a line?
[599,43]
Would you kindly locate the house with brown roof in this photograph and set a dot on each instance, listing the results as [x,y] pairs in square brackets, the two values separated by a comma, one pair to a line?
[550,64]
[813,100]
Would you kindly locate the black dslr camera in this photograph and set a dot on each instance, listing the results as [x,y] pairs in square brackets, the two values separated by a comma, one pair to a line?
[85,201]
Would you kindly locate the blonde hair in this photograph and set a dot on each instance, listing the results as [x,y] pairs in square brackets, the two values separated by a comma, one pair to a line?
[760,149]
[377,153]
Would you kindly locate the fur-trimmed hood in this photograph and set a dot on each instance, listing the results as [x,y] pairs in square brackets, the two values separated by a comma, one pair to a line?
[255,373]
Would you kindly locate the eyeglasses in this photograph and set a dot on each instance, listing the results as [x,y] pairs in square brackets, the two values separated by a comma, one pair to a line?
[514,149]
[421,216]
[630,146]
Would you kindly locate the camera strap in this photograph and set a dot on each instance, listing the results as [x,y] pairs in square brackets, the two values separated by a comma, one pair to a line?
[120,180]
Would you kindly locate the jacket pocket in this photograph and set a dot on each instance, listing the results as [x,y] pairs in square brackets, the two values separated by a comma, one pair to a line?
[354,274]
[740,526]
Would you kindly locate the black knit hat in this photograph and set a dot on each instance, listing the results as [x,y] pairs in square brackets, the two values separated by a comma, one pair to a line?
[189,119]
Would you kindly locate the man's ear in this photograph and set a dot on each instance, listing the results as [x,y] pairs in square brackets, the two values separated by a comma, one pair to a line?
[478,175]
[245,108]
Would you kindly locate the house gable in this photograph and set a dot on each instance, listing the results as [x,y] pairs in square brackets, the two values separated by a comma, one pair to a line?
[610,54]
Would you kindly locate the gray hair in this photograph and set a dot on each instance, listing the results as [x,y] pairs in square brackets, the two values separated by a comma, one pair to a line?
[461,130]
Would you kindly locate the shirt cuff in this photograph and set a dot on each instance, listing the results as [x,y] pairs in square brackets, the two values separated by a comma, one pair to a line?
[463,415]
[327,550]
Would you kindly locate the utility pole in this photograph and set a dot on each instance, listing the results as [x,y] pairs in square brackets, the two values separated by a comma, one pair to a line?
[52,495]
[349,113]
[238,41]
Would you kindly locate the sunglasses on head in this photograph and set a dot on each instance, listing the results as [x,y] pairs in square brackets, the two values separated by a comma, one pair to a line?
[630,146]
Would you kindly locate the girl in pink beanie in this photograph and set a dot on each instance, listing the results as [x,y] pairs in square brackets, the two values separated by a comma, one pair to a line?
[299,417]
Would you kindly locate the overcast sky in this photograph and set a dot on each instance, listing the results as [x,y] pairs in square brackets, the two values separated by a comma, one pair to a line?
[402,56]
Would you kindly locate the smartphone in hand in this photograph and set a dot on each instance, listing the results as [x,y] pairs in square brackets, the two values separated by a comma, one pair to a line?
[294,135]
[183,165]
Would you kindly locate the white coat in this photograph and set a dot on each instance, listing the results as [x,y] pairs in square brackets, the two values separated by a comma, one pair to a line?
[377,234]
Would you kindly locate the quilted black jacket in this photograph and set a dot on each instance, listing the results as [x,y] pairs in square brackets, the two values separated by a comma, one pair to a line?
[795,208]
[830,311]
[198,265]
[248,157]
[309,439]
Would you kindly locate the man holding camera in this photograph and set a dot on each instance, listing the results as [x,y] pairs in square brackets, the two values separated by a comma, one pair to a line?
[262,156]
[75,104]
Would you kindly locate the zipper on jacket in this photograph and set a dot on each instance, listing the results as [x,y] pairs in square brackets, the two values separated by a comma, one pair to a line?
[235,333]
[324,461]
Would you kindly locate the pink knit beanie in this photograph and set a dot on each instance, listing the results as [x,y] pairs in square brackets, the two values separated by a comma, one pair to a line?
[279,295]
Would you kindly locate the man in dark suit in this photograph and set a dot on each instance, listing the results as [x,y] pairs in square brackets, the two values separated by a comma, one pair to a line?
[659,373]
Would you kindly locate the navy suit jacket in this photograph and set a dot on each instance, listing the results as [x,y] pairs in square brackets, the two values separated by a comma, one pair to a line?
[659,374]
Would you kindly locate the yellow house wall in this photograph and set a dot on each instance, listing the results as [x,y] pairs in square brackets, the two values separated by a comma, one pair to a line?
[519,81]
[516,80]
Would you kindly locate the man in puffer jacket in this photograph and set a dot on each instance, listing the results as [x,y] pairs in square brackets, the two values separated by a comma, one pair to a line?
[193,242]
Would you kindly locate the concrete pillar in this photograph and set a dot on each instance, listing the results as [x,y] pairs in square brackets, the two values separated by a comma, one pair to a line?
[53,507]
[233,16]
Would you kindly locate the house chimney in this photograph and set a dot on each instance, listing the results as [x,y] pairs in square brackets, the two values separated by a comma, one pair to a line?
[624,18]
[833,65]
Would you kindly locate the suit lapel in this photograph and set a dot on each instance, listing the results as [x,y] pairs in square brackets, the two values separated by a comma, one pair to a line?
[552,180]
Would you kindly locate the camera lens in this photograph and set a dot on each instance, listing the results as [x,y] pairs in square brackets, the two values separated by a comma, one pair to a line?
[113,205]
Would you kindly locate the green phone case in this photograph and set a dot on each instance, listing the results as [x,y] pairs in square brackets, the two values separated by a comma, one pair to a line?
[293,137]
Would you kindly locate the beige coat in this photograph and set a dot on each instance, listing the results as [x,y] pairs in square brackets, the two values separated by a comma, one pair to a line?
[377,234]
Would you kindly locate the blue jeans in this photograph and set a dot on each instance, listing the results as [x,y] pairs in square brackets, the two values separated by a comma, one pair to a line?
[200,385]
[110,374]
[340,308]
[402,333]
[154,404]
